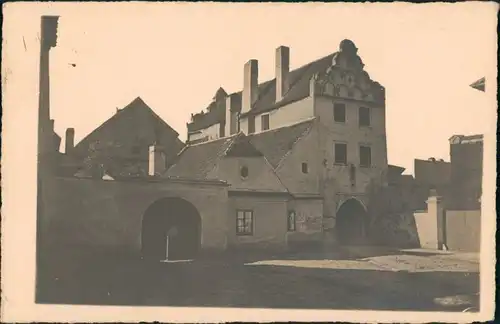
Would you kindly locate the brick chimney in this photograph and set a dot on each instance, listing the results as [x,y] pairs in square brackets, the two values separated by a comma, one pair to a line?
[70,140]
[250,85]
[282,70]
[232,115]
[157,160]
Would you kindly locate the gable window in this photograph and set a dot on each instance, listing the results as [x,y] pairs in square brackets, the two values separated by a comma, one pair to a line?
[244,222]
[291,221]
[341,153]
[251,124]
[364,117]
[339,112]
[365,156]
[244,172]
[305,168]
[264,122]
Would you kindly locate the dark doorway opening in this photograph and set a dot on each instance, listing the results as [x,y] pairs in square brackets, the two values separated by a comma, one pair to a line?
[171,229]
[351,223]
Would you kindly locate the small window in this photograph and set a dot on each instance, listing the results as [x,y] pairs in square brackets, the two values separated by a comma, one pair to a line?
[251,124]
[265,122]
[341,153]
[244,222]
[364,117]
[365,156]
[305,168]
[244,172]
[291,221]
[339,112]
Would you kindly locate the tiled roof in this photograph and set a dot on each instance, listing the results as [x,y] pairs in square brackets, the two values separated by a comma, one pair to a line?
[299,89]
[197,160]
[276,143]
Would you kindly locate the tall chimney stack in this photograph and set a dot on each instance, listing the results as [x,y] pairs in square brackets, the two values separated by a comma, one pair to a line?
[70,140]
[250,85]
[282,70]
[232,112]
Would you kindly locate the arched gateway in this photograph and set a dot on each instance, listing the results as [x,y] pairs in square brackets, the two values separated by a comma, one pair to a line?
[351,222]
[171,228]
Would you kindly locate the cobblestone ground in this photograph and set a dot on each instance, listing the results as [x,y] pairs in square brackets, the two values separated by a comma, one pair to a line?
[395,281]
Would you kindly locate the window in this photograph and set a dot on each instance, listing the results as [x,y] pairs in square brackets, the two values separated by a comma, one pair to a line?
[340,153]
[291,221]
[265,122]
[364,117]
[244,222]
[365,156]
[339,112]
[305,168]
[244,172]
[251,124]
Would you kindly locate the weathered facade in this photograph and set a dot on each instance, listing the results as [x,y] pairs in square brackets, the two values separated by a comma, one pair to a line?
[346,150]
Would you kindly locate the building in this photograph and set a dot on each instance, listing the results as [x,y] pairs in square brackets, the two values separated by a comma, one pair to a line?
[338,111]
[120,146]
[466,154]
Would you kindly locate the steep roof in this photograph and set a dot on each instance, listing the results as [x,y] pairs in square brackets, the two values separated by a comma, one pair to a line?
[127,112]
[276,143]
[266,101]
[197,160]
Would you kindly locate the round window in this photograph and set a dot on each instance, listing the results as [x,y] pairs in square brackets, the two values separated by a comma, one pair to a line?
[244,172]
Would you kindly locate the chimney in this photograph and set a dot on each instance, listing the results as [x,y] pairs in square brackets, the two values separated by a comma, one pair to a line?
[70,140]
[282,69]
[232,118]
[157,160]
[250,85]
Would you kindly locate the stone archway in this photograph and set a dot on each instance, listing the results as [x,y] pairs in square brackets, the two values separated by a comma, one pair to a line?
[351,222]
[171,227]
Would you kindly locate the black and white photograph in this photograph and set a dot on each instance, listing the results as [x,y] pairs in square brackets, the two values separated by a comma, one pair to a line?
[250,156]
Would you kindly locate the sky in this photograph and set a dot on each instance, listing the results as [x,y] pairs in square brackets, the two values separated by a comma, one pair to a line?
[175,56]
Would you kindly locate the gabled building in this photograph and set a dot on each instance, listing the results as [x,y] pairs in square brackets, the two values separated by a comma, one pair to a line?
[326,117]
[120,146]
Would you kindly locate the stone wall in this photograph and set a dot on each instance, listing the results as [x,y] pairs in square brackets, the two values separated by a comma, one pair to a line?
[107,215]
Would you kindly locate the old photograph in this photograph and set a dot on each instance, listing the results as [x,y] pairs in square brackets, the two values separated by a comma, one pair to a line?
[261,156]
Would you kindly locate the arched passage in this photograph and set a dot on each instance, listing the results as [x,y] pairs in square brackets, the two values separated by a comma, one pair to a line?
[171,227]
[351,222]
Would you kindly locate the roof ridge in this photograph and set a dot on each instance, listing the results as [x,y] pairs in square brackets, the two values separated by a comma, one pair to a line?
[310,119]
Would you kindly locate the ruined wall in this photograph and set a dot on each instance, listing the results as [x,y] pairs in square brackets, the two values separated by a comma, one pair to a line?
[107,215]
[397,230]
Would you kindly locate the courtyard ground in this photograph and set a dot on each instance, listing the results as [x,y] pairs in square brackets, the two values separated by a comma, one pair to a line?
[350,278]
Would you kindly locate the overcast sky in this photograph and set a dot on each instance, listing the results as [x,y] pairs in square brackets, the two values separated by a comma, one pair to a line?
[175,56]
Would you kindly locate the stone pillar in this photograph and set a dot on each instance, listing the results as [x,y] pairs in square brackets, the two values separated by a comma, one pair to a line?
[436,211]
